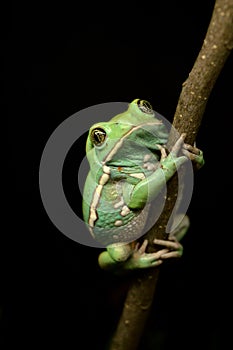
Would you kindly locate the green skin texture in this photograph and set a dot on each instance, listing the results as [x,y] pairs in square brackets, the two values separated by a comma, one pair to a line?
[129,166]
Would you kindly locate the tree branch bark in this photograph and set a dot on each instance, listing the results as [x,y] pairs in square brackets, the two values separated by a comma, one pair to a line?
[192,102]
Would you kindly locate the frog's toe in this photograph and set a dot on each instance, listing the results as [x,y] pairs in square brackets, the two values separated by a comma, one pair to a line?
[172,254]
[151,259]
[174,248]
[178,145]
[163,152]
[174,244]
[194,154]
[141,249]
[192,149]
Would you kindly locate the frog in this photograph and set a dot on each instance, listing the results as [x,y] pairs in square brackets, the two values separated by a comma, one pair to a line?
[129,167]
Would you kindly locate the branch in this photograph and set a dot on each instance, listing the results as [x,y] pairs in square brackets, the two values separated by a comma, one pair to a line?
[192,102]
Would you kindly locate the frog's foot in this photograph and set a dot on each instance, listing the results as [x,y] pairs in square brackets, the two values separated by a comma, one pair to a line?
[171,162]
[173,247]
[142,260]
[175,149]
[194,154]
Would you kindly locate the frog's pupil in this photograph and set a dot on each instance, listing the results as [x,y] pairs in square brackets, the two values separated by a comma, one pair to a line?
[98,136]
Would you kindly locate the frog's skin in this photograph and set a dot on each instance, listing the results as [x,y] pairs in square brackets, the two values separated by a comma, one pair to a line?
[129,166]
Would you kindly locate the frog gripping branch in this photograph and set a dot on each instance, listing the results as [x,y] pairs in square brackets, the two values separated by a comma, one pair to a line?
[129,167]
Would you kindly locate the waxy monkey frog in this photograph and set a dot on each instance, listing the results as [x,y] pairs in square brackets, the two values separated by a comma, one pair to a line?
[129,166]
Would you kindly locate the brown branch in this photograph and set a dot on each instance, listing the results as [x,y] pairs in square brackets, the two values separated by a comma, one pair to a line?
[195,92]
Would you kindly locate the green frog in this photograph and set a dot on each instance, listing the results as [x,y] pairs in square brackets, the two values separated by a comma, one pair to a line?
[129,167]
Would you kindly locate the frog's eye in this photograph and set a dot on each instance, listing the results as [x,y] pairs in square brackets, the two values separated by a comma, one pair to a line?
[145,106]
[98,136]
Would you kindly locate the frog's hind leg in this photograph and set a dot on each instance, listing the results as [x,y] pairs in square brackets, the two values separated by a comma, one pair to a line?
[180,230]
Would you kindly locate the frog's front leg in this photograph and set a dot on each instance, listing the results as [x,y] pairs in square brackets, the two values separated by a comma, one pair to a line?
[147,189]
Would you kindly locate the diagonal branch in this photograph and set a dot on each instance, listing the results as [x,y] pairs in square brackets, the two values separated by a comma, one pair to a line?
[192,102]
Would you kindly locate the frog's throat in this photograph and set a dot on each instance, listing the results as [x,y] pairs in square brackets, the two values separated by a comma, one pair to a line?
[93,216]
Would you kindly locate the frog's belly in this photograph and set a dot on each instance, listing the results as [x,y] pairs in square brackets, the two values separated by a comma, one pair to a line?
[115,229]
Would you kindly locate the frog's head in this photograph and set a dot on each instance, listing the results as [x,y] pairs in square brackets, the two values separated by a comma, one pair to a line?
[127,136]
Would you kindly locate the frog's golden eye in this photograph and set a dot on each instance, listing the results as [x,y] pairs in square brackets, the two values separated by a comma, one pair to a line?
[145,106]
[98,136]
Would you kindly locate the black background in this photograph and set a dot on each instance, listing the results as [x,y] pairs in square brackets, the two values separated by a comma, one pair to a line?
[59,59]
